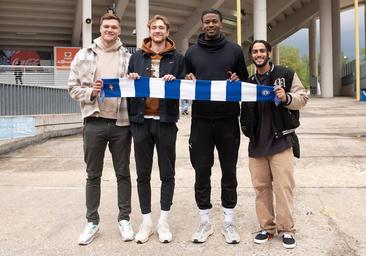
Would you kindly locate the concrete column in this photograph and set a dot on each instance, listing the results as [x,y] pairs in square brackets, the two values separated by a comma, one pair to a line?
[312,49]
[260,19]
[183,45]
[142,18]
[336,35]
[326,46]
[87,28]
[276,54]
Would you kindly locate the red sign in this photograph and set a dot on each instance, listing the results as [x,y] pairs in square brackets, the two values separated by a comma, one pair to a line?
[25,58]
[63,56]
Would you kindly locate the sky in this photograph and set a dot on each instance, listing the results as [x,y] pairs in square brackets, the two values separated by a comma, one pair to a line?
[300,38]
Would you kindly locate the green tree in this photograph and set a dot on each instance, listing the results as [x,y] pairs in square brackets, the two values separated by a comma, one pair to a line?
[363,55]
[290,57]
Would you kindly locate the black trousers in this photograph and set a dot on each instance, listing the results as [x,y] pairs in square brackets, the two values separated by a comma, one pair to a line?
[18,79]
[224,134]
[97,134]
[145,136]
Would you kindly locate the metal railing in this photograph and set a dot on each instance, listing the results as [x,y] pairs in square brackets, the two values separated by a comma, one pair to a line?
[349,73]
[348,68]
[33,90]
[34,100]
[44,76]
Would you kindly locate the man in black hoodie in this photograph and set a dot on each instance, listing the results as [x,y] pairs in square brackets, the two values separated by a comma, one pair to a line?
[215,124]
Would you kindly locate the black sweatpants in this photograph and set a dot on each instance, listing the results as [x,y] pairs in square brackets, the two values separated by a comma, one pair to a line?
[224,134]
[145,136]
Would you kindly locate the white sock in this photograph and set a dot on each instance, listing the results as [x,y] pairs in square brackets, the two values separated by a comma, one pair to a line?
[228,215]
[146,219]
[204,215]
[163,216]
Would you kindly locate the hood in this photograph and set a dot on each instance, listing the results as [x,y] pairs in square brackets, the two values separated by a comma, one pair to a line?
[146,46]
[212,44]
[98,41]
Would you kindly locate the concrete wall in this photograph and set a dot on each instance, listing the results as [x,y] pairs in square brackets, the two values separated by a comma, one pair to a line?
[47,126]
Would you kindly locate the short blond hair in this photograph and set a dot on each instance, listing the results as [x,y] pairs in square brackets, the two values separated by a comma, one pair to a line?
[159,17]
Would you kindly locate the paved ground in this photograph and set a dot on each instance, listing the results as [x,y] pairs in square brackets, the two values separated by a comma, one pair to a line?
[42,195]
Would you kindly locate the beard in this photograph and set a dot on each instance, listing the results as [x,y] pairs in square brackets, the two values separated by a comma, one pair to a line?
[266,60]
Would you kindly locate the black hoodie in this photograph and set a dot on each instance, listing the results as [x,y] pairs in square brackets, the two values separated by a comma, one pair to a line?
[211,60]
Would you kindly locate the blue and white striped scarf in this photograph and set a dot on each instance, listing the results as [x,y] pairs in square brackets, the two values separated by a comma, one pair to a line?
[187,89]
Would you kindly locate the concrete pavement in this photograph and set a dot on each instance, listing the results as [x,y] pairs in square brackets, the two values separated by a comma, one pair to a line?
[42,195]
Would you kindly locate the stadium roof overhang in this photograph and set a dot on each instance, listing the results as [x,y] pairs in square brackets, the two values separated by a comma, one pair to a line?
[42,24]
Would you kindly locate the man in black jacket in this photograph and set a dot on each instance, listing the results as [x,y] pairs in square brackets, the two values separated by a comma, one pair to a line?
[215,124]
[270,127]
[153,122]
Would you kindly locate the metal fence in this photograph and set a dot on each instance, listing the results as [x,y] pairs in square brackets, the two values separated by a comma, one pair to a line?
[34,100]
[33,90]
[348,68]
[349,73]
[45,76]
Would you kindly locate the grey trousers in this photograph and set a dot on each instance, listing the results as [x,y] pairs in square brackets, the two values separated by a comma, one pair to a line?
[97,134]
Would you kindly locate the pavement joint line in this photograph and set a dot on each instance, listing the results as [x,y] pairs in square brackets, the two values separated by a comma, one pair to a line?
[60,157]
[342,236]
[177,187]
[343,156]
[349,250]
[33,158]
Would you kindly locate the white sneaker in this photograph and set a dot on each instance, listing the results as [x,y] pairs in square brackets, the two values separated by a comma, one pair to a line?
[165,236]
[144,233]
[202,233]
[125,228]
[230,233]
[88,234]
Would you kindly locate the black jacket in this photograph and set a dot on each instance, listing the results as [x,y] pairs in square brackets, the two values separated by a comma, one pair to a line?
[171,63]
[285,121]
[211,60]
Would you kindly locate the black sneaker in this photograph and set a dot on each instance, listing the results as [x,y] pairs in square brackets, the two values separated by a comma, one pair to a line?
[262,237]
[288,241]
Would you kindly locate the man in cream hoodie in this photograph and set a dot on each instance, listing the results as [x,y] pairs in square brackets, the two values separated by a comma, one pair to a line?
[105,123]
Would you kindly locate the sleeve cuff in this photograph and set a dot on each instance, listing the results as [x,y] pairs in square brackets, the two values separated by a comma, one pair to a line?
[89,99]
[288,99]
